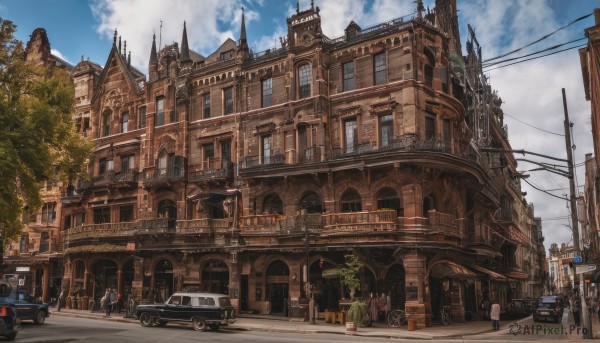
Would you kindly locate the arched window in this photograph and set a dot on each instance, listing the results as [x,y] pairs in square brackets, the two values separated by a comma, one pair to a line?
[312,203]
[106,123]
[428,204]
[351,201]
[273,205]
[125,122]
[388,198]
[304,81]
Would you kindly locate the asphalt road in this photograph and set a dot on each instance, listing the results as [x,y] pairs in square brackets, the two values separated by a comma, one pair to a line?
[58,329]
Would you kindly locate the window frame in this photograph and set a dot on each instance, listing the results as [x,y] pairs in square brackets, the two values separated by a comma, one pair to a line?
[160,111]
[267,92]
[125,122]
[348,83]
[106,127]
[350,146]
[379,69]
[304,81]
[101,215]
[266,158]
[228,100]
[386,121]
[430,129]
[142,116]
[205,108]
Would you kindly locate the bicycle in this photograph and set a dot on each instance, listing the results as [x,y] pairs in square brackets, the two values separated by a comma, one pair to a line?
[397,318]
[445,315]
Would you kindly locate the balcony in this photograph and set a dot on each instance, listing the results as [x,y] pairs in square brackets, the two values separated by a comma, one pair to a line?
[155,226]
[212,173]
[310,155]
[273,159]
[128,177]
[409,142]
[359,222]
[444,223]
[203,226]
[260,224]
[161,176]
[93,231]
[296,225]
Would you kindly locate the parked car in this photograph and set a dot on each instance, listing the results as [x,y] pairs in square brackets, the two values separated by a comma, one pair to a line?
[549,308]
[203,310]
[9,320]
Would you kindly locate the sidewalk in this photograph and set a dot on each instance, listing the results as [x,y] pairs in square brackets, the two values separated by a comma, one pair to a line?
[281,324]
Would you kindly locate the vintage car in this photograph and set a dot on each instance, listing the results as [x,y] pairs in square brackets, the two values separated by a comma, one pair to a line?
[9,321]
[29,309]
[549,308]
[203,310]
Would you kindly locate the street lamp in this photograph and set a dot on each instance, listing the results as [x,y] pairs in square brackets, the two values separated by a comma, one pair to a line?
[307,286]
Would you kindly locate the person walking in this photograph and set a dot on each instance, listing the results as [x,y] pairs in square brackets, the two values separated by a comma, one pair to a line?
[119,302]
[495,315]
[576,310]
[107,303]
[61,299]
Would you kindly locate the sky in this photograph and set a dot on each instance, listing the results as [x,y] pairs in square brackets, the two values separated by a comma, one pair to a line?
[530,91]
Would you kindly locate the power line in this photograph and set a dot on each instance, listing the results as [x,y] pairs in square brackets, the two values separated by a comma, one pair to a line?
[535,127]
[539,40]
[534,58]
[541,190]
[485,65]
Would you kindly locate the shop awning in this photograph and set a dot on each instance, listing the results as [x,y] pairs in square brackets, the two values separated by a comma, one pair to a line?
[450,270]
[486,251]
[490,273]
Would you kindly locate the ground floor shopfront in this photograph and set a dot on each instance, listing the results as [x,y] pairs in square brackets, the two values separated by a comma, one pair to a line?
[267,282]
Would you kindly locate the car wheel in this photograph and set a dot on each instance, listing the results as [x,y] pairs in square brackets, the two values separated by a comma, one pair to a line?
[40,318]
[11,336]
[146,319]
[161,323]
[199,324]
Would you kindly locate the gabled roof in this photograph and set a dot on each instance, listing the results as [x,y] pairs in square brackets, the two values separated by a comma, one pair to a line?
[130,73]
[228,45]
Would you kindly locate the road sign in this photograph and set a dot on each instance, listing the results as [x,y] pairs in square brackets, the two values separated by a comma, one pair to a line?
[584,268]
[577,259]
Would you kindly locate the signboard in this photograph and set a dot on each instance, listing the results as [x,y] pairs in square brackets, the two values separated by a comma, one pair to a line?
[584,268]
[21,282]
[577,259]
[22,269]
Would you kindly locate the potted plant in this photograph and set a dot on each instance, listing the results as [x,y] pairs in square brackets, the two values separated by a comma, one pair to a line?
[356,313]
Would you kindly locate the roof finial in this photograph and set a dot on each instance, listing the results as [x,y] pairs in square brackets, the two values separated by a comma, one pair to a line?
[312,5]
[129,59]
[119,44]
[420,8]
[125,48]
[115,38]
[297,7]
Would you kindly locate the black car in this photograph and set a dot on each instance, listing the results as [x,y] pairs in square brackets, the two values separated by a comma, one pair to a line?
[29,309]
[203,310]
[9,321]
[549,308]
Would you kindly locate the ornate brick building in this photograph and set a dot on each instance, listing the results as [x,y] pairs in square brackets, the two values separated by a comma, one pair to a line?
[233,172]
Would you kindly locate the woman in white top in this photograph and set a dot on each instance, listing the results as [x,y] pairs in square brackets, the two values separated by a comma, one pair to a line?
[495,315]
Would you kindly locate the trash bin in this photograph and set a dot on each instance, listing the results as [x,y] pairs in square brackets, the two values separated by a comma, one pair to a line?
[412,325]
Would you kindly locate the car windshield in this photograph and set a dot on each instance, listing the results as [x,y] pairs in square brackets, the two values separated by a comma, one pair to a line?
[224,301]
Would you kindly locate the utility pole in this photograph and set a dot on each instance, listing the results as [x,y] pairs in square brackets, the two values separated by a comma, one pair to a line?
[585,313]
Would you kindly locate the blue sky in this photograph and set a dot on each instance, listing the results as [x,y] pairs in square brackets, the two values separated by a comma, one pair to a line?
[531,91]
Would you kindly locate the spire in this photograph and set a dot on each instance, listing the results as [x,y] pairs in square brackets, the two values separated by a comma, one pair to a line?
[420,8]
[115,38]
[125,48]
[297,7]
[312,5]
[119,44]
[185,50]
[243,29]
[153,58]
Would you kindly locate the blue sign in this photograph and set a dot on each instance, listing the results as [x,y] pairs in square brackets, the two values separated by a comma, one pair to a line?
[577,259]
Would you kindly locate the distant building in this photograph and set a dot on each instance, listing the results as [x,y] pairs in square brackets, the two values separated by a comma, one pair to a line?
[560,266]
[246,172]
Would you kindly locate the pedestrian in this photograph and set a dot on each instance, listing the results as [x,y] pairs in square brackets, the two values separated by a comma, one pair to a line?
[495,315]
[113,300]
[119,302]
[107,303]
[61,299]
[576,310]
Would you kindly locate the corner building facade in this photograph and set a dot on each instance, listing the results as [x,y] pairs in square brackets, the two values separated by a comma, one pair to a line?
[232,172]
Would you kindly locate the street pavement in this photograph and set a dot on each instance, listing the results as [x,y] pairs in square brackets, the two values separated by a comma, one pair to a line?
[380,330]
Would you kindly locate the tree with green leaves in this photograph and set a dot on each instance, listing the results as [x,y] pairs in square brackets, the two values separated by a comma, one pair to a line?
[38,139]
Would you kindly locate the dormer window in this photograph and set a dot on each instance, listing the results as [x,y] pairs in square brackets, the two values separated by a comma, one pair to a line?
[227,55]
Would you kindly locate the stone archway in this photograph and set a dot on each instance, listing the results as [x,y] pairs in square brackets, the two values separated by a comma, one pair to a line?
[395,286]
[214,277]
[278,283]
[163,281]
[105,276]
